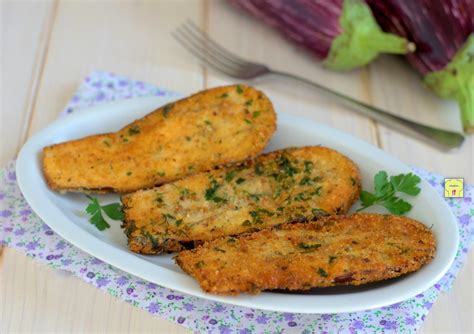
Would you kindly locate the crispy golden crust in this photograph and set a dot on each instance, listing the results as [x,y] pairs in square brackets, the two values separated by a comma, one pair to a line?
[284,186]
[214,127]
[335,250]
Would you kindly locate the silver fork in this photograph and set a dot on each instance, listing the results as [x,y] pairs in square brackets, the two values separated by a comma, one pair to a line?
[211,54]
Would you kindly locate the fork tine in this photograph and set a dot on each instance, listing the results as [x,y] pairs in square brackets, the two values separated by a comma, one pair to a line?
[205,48]
[206,39]
[197,53]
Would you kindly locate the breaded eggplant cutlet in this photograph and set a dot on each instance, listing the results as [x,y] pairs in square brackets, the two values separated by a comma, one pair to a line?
[290,185]
[335,250]
[211,128]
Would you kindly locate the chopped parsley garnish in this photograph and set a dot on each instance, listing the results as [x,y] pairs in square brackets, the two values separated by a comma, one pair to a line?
[129,173]
[106,143]
[188,138]
[248,103]
[308,247]
[255,218]
[332,258]
[302,196]
[159,198]
[229,176]
[199,264]
[385,190]
[154,243]
[257,215]
[318,212]
[322,272]
[94,209]
[255,114]
[247,121]
[285,165]
[277,192]
[306,180]
[353,181]
[240,180]
[185,192]
[208,122]
[161,173]
[308,166]
[167,108]
[246,223]
[239,89]
[134,130]
[316,191]
[259,169]
[223,96]
[211,193]
[255,197]
[167,216]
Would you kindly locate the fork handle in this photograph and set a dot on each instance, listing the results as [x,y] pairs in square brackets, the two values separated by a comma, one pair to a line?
[441,139]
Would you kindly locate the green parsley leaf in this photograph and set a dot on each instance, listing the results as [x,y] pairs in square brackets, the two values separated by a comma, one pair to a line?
[406,183]
[308,247]
[386,189]
[305,180]
[308,166]
[211,193]
[317,212]
[322,272]
[114,211]
[199,264]
[94,209]
[240,180]
[229,176]
[367,198]
[134,130]
[167,108]
[396,205]
[98,221]
[382,186]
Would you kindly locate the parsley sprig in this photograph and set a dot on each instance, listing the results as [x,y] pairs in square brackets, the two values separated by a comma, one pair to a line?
[386,189]
[95,210]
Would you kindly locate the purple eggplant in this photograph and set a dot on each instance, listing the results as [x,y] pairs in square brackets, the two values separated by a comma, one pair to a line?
[443,31]
[343,33]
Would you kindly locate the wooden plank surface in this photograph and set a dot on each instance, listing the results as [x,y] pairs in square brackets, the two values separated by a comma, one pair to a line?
[48,47]
[26,27]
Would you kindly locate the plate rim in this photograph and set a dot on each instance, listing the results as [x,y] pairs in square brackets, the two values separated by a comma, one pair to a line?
[98,248]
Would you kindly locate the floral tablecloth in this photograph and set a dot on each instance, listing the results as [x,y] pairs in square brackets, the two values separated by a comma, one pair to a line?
[21,229]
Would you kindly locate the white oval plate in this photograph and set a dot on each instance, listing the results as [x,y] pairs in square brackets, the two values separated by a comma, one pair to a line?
[65,214]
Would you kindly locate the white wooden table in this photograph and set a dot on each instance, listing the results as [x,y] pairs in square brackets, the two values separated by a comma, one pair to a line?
[48,47]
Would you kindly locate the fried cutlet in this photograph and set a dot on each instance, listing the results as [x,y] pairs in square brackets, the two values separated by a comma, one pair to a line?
[211,128]
[290,185]
[335,250]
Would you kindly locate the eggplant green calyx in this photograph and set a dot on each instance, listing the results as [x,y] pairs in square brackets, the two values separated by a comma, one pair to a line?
[456,81]
[362,39]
